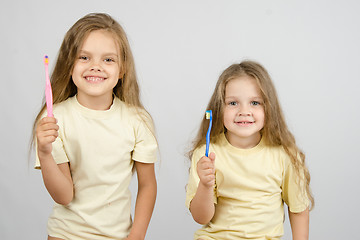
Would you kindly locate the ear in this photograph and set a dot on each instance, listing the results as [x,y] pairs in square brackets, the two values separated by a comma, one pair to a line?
[121,74]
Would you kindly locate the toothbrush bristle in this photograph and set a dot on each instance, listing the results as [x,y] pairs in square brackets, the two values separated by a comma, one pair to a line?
[46,59]
[207,114]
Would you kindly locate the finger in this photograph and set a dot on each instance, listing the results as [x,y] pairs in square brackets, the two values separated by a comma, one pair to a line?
[209,172]
[48,120]
[206,165]
[46,140]
[48,133]
[46,128]
[209,180]
[205,160]
[206,172]
[209,165]
[212,157]
[49,126]
[202,162]
[46,124]
[205,175]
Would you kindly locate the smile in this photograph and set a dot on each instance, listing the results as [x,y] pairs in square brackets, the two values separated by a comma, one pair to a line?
[94,79]
[244,123]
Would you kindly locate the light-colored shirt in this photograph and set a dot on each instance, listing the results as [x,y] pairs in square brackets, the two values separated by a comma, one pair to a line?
[251,185]
[101,147]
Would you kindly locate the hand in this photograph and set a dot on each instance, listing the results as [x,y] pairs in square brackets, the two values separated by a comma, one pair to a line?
[46,133]
[206,170]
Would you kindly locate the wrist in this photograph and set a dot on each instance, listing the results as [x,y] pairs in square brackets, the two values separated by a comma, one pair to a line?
[206,186]
[44,156]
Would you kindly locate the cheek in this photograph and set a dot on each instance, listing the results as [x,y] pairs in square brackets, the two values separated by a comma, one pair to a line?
[228,118]
[75,76]
[77,70]
[115,82]
[260,115]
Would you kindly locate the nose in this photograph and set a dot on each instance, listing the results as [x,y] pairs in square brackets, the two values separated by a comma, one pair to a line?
[96,66]
[96,69]
[244,111]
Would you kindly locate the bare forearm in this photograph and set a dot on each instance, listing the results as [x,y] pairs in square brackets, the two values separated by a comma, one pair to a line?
[300,225]
[144,206]
[57,183]
[202,207]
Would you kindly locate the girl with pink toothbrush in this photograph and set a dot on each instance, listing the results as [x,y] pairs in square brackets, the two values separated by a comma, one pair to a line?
[100,131]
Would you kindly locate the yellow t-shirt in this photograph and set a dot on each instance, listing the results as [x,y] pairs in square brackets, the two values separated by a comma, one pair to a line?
[251,185]
[101,147]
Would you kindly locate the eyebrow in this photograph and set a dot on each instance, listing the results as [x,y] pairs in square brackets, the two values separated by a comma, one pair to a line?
[106,54]
[254,97]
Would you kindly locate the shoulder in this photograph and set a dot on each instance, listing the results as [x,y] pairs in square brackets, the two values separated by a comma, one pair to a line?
[137,118]
[64,106]
[278,152]
[199,151]
[216,145]
[132,112]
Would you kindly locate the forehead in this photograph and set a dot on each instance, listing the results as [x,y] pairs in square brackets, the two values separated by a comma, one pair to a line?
[242,86]
[100,41]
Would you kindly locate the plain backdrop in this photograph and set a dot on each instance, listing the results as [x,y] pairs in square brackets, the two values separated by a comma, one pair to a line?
[310,48]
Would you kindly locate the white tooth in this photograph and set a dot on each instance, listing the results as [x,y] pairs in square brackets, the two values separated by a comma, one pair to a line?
[94,79]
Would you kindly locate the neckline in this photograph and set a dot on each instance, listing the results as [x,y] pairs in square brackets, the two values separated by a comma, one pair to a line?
[95,113]
[237,150]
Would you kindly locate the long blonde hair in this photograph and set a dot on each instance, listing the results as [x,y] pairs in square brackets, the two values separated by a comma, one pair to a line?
[127,88]
[275,131]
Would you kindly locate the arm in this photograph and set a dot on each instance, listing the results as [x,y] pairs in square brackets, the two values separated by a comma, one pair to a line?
[202,207]
[299,225]
[57,177]
[145,200]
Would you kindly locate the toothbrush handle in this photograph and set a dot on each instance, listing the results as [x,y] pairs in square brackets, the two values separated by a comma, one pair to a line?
[48,94]
[208,139]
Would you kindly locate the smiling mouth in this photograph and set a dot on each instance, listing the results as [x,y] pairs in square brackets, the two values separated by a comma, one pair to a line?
[244,123]
[94,79]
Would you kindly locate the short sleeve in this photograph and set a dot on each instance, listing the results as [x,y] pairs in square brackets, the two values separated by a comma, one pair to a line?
[194,179]
[145,149]
[293,191]
[58,152]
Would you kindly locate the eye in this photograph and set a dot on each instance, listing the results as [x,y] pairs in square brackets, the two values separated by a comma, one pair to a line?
[255,103]
[232,103]
[83,58]
[109,60]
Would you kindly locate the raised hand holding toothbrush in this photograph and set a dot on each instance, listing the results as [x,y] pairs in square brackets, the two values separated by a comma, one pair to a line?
[202,204]
[206,170]
[206,165]
[47,129]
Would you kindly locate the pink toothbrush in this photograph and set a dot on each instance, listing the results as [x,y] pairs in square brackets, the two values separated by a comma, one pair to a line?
[48,91]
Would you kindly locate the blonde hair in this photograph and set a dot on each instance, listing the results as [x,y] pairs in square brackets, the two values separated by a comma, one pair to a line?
[127,88]
[275,131]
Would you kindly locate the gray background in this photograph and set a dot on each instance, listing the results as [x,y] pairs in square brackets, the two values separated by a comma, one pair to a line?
[311,49]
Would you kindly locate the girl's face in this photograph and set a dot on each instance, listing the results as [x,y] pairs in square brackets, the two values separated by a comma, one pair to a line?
[244,114]
[97,70]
